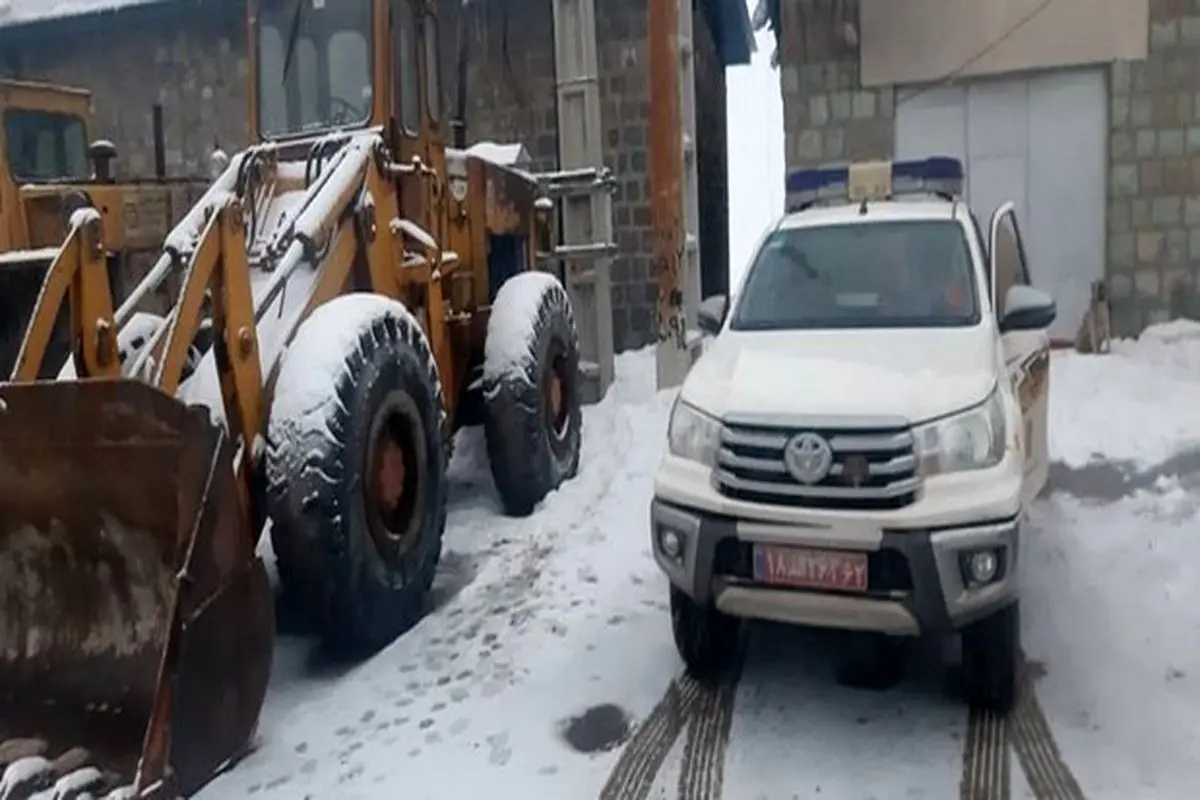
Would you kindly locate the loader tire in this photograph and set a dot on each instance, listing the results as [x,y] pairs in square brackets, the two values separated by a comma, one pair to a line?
[532,415]
[356,472]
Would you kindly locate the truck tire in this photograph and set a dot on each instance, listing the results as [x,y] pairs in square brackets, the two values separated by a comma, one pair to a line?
[708,641]
[356,471]
[532,415]
[991,653]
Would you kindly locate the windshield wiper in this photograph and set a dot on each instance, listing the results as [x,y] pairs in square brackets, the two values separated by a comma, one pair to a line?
[293,35]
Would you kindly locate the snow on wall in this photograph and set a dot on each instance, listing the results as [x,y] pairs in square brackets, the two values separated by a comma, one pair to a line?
[25,12]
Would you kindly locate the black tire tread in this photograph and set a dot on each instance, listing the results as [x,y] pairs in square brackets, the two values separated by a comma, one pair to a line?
[304,469]
[706,639]
[991,660]
[522,466]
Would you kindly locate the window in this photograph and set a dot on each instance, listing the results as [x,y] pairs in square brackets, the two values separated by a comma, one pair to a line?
[44,146]
[916,274]
[433,80]
[314,65]
[349,61]
[1009,259]
[407,82]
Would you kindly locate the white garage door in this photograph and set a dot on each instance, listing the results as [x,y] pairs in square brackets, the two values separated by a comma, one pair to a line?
[1038,140]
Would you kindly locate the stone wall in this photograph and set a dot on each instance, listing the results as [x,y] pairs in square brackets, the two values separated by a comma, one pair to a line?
[827,115]
[1154,178]
[190,57]
[187,57]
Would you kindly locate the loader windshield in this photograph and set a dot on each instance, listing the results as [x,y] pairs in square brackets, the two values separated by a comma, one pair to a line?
[314,65]
[910,274]
[45,145]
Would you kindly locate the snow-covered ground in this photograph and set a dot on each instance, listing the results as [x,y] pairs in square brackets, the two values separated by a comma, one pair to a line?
[538,620]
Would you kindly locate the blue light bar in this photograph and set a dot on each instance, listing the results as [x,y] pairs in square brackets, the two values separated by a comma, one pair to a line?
[942,175]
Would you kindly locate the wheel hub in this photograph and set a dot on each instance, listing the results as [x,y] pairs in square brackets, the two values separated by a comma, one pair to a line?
[556,391]
[392,480]
[389,472]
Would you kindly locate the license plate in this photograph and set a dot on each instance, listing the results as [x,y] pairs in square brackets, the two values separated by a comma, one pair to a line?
[810,569]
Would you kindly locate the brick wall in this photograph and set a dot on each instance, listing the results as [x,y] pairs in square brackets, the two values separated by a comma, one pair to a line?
[1154,173]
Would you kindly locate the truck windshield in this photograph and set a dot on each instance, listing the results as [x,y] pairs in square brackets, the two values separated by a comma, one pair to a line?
[314,65]
[911,274]
[45,145]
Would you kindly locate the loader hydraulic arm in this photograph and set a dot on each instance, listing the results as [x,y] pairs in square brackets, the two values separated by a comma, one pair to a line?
[343,208]
[79,269]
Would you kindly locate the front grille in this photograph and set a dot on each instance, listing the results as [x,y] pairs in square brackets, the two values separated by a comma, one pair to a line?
[873,468]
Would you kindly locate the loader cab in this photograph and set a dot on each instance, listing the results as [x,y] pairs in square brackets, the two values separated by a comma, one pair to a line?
[43,139]
[313,66]
[45,145]
[324,65]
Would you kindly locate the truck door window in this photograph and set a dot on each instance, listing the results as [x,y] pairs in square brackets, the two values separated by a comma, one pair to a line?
[44,145]
[1011,269]
[404,27]
[873,275]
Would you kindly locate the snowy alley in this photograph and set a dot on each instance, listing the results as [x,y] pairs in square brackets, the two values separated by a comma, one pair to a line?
[546,669]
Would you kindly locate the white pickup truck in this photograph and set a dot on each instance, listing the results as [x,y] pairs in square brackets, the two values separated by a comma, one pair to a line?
[856,447]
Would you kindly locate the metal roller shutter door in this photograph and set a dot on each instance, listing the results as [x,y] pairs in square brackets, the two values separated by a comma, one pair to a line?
[1041,141]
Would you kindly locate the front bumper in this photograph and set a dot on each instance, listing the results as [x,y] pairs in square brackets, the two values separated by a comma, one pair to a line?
[916,583]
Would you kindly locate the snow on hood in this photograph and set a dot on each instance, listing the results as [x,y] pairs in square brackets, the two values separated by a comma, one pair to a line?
[915,374]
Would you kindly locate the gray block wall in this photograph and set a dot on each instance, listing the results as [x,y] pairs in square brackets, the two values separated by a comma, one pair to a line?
[1154,173]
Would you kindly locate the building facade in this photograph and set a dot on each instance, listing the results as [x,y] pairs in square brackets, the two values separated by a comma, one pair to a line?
[1084,113]
[190,57]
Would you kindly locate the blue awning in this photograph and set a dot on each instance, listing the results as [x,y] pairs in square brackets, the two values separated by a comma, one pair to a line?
[730,24]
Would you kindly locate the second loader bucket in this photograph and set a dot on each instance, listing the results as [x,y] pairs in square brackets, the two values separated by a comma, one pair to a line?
[136,621]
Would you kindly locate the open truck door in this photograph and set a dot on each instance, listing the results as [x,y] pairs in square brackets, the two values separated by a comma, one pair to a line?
[1026,349]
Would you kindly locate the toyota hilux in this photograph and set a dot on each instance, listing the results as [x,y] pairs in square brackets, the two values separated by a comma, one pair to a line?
[857,445]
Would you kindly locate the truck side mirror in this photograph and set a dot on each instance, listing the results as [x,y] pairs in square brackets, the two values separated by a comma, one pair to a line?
[1027,309]
[103,153]
[711,315]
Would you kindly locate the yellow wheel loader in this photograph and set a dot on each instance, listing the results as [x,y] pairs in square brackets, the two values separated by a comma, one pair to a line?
[48,169]
[346,289]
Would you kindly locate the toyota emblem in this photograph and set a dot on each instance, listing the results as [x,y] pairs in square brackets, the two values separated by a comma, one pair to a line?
[808,457]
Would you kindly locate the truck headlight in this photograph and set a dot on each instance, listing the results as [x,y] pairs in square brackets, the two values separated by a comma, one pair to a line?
[972,439]
[693,434]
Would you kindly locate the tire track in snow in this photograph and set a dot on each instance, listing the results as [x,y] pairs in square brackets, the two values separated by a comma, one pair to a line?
[1048,775]
[1026,733]
[703,770]
[986,774]
[632,777]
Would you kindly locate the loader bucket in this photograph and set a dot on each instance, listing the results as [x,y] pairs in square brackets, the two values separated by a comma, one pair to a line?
[136,621]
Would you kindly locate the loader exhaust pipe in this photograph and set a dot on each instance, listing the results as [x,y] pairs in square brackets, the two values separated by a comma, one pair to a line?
[458,125]
[160,143]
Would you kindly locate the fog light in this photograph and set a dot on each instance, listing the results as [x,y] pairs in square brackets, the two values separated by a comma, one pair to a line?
[983,566]
[671,545]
